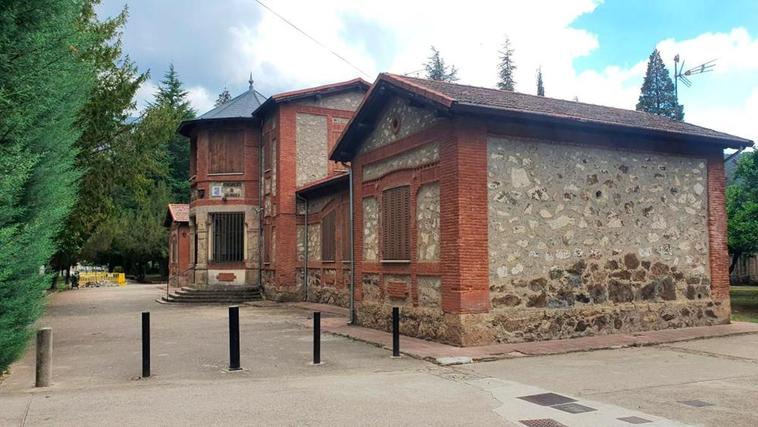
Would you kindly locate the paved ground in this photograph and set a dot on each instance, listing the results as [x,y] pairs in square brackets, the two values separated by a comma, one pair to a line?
[97,368]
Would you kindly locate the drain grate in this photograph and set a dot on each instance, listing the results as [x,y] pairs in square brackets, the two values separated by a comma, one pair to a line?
[695,403]
[542,422]
[634,420]
[573,408]
[547,399]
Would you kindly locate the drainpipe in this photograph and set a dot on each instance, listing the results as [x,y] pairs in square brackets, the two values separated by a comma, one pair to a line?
[261,179]
[352,248]
[305,245]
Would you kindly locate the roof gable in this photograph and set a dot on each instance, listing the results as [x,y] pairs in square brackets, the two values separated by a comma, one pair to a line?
[472,100]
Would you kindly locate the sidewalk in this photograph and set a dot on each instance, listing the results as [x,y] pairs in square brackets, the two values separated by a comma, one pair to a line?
[448,354]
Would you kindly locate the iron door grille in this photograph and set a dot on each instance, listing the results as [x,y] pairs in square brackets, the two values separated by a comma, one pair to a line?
[396,224]
[228,237]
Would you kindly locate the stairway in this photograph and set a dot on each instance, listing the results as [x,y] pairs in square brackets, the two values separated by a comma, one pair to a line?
[214,295]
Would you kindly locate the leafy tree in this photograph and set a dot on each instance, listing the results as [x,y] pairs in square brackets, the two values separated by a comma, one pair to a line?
[100,148]
[658,95]
[172,95]
[540,84]
[742,208]
[45,80]
[223,98]
[437,70]
[506,67]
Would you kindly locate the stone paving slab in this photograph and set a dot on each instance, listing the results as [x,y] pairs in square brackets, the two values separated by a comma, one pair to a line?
[433,351]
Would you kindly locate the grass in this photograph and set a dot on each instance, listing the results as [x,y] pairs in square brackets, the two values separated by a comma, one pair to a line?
[745,303]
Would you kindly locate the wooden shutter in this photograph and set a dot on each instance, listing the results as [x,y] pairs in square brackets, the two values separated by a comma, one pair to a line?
[226,151]
[328,243]
[396,224]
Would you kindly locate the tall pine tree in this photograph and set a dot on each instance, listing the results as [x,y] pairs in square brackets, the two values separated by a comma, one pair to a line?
[540,84]
[45,80]
[437,70]
[171,95]
[101,148]
[658,95]
[507,67]
[223,98]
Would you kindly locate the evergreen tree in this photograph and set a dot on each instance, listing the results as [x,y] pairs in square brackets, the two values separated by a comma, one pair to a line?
[172,95]
[223,98]
[102,121]
[540,84]
[658,95]
[45,80]
[742,208]
[437,70]
[507,67]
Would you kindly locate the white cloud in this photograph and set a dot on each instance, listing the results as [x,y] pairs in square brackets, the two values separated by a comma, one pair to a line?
[200,99]
[283,59]
[144,95]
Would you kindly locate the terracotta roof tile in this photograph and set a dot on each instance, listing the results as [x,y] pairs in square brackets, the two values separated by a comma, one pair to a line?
[179,212]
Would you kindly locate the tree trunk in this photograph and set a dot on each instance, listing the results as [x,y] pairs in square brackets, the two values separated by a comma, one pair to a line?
[735,257]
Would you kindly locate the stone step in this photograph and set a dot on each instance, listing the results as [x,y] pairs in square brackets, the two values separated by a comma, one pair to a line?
[204,294]
[171,299]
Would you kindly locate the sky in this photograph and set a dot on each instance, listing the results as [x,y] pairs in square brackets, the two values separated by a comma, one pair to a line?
[592,50]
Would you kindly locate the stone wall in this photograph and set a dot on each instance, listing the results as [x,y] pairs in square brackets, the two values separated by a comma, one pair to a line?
[589,240]
[370,210]
[424,155]
[311,148]
[397,121]
[424,319]
[348,101]
[428,223]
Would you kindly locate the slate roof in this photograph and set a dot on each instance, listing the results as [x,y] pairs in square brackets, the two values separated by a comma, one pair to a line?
[458,98]
[177,212]
[356,83]
[240,107]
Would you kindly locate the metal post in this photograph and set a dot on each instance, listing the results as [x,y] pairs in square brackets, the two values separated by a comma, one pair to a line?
[145,344]
[395,332]
[44,357]
[316,338]
[234,338]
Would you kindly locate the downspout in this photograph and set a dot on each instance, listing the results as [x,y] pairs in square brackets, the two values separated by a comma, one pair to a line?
[305,245]
[352,248]
[261,179]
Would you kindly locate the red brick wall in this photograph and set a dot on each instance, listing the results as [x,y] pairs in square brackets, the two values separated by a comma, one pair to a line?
[179,234]
[249,178]
[461,173]
[463,219]
[284,262]
[717,232]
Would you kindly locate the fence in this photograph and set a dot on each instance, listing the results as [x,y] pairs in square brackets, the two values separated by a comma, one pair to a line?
[745,271]
[101,276]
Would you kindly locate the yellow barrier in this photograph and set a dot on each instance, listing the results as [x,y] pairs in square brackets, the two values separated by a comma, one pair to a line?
[99,276]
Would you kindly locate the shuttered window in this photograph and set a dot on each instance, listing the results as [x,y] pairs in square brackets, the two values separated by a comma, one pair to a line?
[228,235]
[347,249]
[396,243]
[226,151]
[328,240]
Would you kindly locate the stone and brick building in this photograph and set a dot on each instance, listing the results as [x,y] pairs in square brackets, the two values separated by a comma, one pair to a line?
[497,216]
[488,216]
[248,159]
[177,221]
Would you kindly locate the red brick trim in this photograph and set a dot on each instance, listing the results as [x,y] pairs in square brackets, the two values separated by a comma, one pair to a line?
[717,230]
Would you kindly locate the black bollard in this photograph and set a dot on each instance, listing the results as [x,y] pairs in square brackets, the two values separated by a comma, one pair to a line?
[395,332]
[145,344]
[234,338]
[316,337]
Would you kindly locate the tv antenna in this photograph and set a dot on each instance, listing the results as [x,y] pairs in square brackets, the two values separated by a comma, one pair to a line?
[680,74]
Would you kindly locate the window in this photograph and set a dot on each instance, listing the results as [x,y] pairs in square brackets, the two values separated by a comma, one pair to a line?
[226,153]
[328,241]
[395,224]
[228,237]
